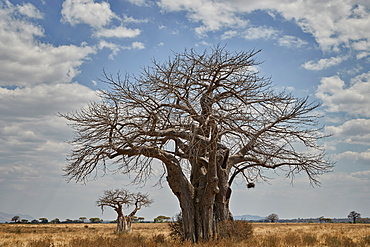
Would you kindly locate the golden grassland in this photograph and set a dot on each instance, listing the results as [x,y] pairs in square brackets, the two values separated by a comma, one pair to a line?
[157,234]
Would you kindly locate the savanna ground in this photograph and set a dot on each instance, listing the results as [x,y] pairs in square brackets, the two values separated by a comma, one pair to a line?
[157,234]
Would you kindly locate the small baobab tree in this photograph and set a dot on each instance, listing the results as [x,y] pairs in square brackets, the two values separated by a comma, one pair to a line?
[119,199]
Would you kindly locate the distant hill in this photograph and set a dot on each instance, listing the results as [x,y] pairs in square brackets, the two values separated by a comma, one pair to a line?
[5,217]
[249,217]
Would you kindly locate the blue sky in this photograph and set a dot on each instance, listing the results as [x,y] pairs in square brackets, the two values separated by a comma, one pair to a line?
[52,55]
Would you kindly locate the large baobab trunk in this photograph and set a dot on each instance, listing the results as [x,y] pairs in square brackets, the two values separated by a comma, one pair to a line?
[204,200]
[202,208]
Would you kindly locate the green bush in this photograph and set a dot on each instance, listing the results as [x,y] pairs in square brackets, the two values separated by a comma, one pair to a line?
[176,228]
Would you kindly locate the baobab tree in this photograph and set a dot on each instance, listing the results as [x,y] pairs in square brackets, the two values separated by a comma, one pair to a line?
[208,118]
[120,198]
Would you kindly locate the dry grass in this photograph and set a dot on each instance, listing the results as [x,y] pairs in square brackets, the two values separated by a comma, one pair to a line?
[291,234]
[154,235]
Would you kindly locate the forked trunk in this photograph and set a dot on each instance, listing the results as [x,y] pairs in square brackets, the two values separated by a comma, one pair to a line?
[201,217]
[204,200]
[123,224]
[201,211]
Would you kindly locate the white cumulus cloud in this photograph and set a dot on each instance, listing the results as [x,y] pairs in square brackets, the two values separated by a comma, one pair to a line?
[138,2]
[29,127]
[333,23]
[87,12]
[115,48]
[355,131]
[261,32]
[29,10]
[99,16]
[26,61]
[324,63]
[351,127]
[353,98]
[291,41]
[138,45]
[118,32]
[214,15]
[363,157]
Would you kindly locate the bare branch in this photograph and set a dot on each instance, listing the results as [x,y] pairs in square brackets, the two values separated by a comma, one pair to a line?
[119,198]
[208,118]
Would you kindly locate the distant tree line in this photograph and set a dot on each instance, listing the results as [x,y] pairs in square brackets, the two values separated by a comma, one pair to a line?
[354,216]
[136,219]
[16,219]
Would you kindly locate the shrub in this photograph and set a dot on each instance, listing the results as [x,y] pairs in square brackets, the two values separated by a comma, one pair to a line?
[237,230]
[176,228]
[160,238]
